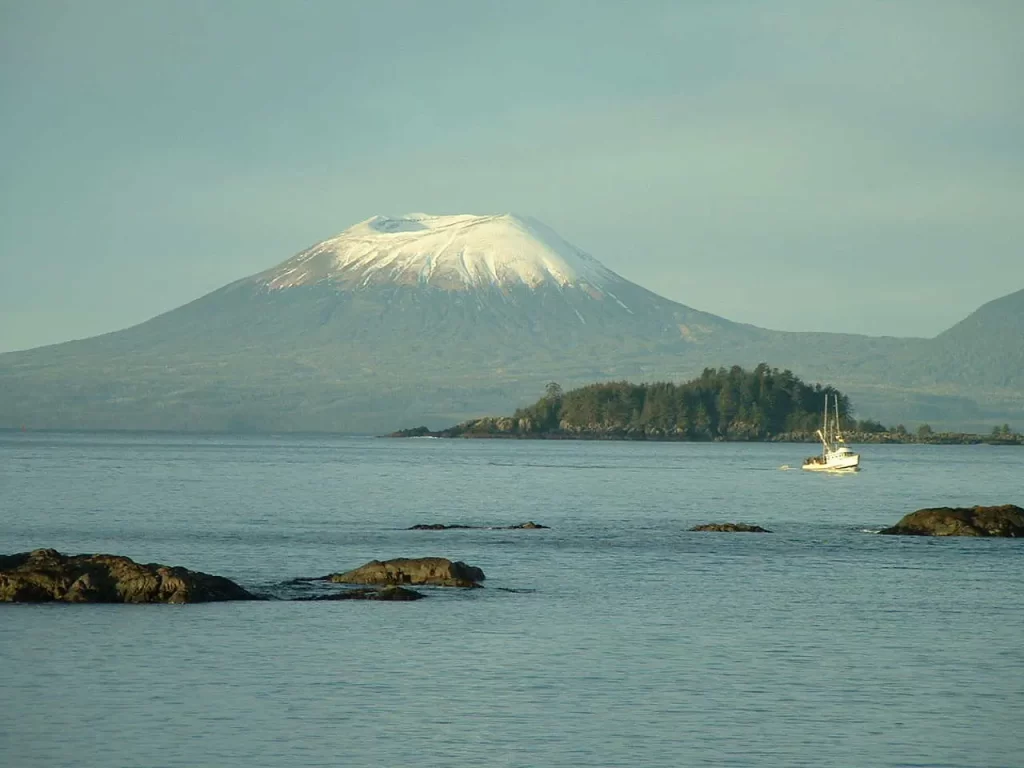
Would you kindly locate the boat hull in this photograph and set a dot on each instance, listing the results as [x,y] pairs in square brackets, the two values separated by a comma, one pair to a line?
[844,464]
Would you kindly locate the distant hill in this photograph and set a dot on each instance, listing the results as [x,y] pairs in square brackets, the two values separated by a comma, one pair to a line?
[979,351]
[435,319]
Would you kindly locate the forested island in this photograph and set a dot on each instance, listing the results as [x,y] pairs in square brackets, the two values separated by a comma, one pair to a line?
[723,404]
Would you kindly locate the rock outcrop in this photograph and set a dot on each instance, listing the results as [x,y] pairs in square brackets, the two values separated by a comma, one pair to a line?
[1006,520]
[389,592]
[46,575]
[731,528]
[435,571]
[527,526]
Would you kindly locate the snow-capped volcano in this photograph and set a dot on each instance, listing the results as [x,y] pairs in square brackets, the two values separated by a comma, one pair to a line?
[454,252]
[433,319]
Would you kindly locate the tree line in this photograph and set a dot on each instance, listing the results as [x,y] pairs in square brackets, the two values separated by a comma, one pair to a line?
[722,403]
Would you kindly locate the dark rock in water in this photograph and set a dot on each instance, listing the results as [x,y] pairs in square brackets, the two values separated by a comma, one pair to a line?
[1006,520]
[414,432]
[303,581]
[731,528]
[389,592]
[45,575]
[437,571]
[442,527]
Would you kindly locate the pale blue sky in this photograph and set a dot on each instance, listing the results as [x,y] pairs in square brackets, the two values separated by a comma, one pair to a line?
[839,166]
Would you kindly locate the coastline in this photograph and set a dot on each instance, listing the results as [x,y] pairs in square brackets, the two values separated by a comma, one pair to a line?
[483,430]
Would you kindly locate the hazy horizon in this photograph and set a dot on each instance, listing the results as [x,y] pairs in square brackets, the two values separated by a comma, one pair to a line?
[845,167]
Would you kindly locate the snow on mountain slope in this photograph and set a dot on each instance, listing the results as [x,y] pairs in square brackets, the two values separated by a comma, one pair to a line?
[456,252]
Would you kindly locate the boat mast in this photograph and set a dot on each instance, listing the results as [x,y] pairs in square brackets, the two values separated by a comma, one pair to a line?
[839,436]
[823,432]
[828,432]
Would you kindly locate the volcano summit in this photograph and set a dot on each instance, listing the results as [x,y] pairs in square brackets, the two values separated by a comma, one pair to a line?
[448,252]
[506,270]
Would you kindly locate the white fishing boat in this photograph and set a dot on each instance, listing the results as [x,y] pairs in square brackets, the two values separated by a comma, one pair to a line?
[836,455]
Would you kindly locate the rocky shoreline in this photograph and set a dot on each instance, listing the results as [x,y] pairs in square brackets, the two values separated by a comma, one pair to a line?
[1006,521]
[48,576]
[730,528]
[434,571]
[504,428]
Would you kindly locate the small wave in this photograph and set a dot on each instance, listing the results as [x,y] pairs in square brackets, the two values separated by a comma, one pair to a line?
[572,466]
[870,530]
[785,467]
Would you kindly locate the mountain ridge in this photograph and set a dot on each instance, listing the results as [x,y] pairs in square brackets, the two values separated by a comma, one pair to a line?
[342,353]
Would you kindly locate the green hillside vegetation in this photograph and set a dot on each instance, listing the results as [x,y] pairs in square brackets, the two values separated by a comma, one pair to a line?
[721,404]
[729,404]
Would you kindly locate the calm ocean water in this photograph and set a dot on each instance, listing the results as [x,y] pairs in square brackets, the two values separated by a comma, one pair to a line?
[617,638]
